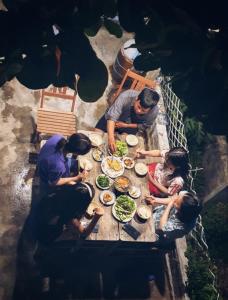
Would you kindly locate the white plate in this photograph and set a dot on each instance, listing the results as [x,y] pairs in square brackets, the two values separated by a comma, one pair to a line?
[103,188]
[144,212]
[102,197]
[96,139]
[133,162]
[111,172]
[98,156]
[129,218]
[134,192]
[85,163]
[141,169]
[132,140]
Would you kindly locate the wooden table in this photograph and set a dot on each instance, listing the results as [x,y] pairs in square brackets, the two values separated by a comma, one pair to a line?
[110,230]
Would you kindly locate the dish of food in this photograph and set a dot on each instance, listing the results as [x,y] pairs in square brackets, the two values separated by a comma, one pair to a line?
[107,197]
[122,184]
[112,166]
[103,182]
[141,169]
[132,140]
[96,139]
[134,191]
[144,212]
[90,209]
[128,162]
[85,163]
[121,149]
[124,208]
[97,155]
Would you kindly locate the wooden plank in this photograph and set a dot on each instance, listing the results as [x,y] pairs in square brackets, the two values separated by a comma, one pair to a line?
[51,120]
[47,129]
[57,113]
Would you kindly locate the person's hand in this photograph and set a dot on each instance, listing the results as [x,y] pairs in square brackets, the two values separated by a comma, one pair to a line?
[98,212]
[83,175]
[150,200]
[140,153]
[120,125]
[112,144]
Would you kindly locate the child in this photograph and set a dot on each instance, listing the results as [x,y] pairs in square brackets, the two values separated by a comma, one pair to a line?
[167,178]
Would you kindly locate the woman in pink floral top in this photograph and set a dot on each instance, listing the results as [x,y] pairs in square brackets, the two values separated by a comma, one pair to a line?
[167,177]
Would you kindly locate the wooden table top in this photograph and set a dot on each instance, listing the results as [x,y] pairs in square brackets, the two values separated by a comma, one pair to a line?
[109,228]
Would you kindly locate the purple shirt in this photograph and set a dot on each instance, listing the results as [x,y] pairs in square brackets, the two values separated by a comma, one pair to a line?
[52,165]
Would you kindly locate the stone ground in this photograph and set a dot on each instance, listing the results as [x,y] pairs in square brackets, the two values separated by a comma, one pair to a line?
[18,106]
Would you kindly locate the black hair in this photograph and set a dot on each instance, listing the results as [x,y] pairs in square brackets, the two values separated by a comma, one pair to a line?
[73,200]
[78,143]
[190,208]
[148,98]
[178,157]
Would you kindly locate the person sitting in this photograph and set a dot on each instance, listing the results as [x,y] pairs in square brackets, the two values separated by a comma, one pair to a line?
[65,206]
[131,111]
[54,167]
[174,216]
[168,177]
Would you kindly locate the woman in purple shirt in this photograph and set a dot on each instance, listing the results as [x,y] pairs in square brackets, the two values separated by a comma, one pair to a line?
[54,166]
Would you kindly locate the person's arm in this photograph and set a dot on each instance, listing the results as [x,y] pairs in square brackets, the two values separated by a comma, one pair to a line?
[159,186]
[151,200]
[125,125]
[111,137]
[69,180]
[143,153]
[85,231]
[165,215]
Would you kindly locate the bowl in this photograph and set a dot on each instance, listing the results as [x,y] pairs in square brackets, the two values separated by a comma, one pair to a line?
[107,197]
[134,192]
[99,185]
[141,169]
[128,162]
[122,184]
[97,155]
[132,140]
[144,212]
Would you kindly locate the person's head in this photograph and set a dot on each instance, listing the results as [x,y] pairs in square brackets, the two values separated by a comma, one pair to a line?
[177,162]
[78,143]
[146,100]
[75,199]
[188,206]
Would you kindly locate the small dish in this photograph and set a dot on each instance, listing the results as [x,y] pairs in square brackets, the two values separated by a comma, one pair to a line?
[132,140]
[141,169]
[144,212]
[122,184]
[103,182]
[134,192]
[97,155]
[128,162]
[107,197]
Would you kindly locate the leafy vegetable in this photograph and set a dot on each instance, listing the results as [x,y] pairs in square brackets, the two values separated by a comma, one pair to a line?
[103,181]
[124,207]
[122,148]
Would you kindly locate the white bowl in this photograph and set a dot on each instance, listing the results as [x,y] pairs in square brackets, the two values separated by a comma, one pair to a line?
[132,140]
[132,162]
[134,192]
[102,194]
[100,187]
[141,169]
[144,212]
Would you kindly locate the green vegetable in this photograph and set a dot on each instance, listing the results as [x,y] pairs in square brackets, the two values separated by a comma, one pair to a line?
[103,181]
[124,207]
[122,148]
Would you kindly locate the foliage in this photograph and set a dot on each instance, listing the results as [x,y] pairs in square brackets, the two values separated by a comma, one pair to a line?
[199,285]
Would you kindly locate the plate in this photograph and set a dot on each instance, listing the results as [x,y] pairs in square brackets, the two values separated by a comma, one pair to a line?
[112,166]
[122,184]
[97,155]
[144,212]
[124,217]
[85,163]
[132,140]
[128,162]
[141,169]
[101,187]
[111,194]
[96,139]
[134,192]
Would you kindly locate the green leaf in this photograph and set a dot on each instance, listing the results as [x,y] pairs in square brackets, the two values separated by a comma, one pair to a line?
[113,28]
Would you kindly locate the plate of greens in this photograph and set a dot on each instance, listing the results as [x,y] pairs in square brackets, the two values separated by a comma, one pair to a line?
[103,182]
[121,149]
[124,208]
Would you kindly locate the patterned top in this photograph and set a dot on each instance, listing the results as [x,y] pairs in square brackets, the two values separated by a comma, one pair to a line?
[174,228]
[161,175]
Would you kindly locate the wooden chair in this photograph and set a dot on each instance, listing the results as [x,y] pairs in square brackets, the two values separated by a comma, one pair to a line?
[50,121]
[138,83]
